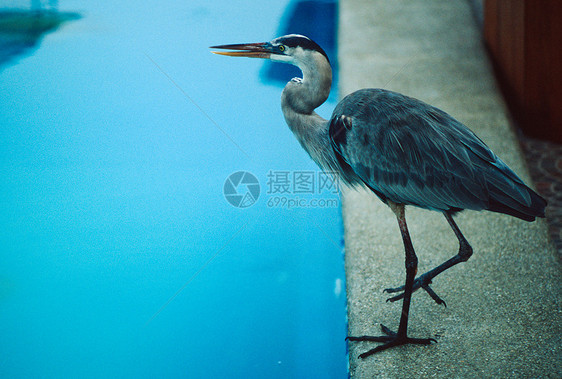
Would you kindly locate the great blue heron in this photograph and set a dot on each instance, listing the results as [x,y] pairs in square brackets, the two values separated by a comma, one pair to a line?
[405,151]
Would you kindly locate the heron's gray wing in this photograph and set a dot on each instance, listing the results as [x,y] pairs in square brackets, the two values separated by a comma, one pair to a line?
[413,153]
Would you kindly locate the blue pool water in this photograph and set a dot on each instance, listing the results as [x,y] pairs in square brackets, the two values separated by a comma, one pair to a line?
[120,256]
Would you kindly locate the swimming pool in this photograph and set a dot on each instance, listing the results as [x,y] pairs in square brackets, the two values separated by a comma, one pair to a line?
[121,255]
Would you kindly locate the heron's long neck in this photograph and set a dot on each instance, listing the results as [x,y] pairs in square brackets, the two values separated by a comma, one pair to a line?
[298,101]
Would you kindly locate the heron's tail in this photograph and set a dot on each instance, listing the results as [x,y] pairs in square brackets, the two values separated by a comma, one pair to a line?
[528,212]
[509,195]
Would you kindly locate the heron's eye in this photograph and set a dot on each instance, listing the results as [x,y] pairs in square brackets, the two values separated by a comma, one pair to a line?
[281,47]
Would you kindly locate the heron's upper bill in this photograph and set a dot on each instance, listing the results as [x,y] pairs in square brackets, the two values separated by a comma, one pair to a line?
[251,50]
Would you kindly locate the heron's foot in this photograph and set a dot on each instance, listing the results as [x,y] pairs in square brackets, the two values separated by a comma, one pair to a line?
[422,281]
[391,339]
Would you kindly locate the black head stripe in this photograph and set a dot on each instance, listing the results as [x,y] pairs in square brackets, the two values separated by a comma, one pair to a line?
[304,42]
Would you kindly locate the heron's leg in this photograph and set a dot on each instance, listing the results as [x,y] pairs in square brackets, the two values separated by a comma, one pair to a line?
[423,281]
[411,270]
[392,339]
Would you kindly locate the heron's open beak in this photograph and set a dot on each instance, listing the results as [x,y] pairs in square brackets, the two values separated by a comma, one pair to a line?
[251,50]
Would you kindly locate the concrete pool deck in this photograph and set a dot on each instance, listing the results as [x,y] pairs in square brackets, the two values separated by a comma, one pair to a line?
[504,310]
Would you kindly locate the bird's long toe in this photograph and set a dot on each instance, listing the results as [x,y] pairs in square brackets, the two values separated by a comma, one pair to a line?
[415,287]
[434,296]
[390,339]
[421,282]
[394,290]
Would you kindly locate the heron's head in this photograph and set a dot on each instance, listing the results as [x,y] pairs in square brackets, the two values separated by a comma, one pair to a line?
[293,48]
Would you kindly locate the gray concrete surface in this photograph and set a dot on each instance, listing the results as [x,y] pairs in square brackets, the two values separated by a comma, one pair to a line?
[504,311]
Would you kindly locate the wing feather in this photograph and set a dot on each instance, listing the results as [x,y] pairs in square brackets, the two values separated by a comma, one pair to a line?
[412,153]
